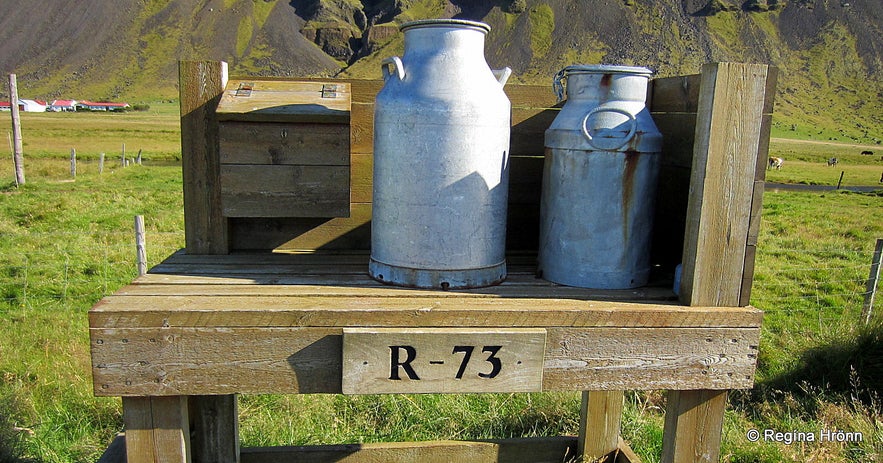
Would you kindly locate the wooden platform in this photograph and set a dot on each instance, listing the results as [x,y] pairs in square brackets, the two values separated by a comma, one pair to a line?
[229,316]
[273,324]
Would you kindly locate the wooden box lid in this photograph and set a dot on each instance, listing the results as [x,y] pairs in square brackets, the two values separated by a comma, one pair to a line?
[285,101]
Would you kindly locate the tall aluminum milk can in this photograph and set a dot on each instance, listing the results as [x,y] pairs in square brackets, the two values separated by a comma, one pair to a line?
[599,180]
[441,171]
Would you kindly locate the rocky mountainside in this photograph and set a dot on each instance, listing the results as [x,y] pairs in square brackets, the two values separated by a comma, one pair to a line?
[829,52]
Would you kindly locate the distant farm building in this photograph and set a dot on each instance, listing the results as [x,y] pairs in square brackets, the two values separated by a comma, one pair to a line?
[102,106]
[31,106]
[62,105]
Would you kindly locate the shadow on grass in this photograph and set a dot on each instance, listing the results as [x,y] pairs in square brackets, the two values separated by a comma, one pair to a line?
[11,437]
[845,370]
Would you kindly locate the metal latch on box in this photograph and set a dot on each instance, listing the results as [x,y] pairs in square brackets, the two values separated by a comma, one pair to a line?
[244,89]
[330,91]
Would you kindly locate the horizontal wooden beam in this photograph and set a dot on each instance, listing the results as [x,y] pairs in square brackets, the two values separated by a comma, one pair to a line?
[221,360]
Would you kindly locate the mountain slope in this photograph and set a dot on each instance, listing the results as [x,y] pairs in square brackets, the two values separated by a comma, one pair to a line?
[829,52]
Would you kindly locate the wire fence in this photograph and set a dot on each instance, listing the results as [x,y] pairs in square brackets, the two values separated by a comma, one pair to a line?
[73,269]
[827,285]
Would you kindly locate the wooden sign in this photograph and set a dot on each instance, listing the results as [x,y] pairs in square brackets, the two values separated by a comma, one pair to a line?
[442,360]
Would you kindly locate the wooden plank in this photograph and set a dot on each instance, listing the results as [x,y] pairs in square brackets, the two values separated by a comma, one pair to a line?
[285,191]
[600,422]
[728,131]
[442,360]
[284,143]
[193,310]
[157,429]
[214,421]
[520,286]
[285,101]
[698,416]
[164,361]
[201,84]
[535,450]
[678,94]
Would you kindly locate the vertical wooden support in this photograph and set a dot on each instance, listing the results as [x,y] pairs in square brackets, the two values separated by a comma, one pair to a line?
[140,246]
[17,152]
[723,213]
[693,424]
[157,429]
[201,86]
[600,422]
[215,424]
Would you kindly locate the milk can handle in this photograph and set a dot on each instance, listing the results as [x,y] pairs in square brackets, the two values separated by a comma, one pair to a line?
[502,75]
[396,63]
[632,130]
[558,85]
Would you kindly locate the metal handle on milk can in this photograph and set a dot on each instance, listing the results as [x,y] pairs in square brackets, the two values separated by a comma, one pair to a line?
[558,85]
[632,129]
[396,63]
[502,75]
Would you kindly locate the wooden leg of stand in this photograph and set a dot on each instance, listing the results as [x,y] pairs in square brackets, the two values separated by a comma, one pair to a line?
[215,427]
[600,420]
[693,424]
[157,429]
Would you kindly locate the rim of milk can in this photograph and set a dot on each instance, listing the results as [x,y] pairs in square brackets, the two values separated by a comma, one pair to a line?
[576,69]
[445,23]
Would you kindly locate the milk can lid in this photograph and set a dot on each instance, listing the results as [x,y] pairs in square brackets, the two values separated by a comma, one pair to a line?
[605,69]
[444,23]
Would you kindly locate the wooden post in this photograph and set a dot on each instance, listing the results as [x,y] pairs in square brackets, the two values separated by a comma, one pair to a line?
[723,213]
[123,156]
[600,422]
[215,425]
[140,248]
[138,157]
[201,85]
[873,281]
[73,163]
[157,429]
[101,163]
[17,152]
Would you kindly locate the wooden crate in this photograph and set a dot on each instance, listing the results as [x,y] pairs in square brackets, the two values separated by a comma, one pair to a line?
[284,149]
[179,343]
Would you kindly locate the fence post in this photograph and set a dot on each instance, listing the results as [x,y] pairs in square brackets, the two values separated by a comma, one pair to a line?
[17,154]
[140,248]
[873,280]
[101,163]
[73,163]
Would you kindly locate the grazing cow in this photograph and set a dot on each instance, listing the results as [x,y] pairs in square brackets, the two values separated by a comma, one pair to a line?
[832,162]
[868,153]
[775,163]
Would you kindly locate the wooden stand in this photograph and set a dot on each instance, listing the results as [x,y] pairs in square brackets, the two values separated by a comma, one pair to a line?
[228,317]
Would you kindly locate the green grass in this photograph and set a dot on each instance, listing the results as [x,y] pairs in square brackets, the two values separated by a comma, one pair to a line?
[65,243]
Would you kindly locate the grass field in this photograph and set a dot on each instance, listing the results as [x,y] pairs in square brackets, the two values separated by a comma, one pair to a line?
[65,243]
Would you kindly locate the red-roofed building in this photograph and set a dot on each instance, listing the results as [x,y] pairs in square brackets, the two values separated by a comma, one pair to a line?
[62,105]
[102,106]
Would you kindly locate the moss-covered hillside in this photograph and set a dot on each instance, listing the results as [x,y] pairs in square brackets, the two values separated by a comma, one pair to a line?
[829,52]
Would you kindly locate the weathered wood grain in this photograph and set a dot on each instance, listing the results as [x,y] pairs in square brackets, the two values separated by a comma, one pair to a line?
[284,143]
[285,190]
[157,429]
[222,360]
[201,85]
[285,101]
